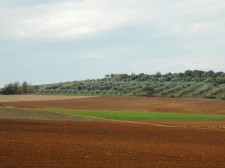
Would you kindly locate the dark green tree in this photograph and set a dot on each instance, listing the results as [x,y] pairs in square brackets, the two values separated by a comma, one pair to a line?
[25,87]
[148,90]
[16,88]
[158,74]
[220,80]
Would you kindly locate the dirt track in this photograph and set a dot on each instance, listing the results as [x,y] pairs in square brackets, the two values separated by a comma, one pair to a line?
[133,104]
[107,144]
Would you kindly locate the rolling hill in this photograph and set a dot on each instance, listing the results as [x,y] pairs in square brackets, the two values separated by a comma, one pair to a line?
[190,84]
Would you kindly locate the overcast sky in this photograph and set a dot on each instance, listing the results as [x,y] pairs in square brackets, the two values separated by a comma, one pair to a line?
[47,41]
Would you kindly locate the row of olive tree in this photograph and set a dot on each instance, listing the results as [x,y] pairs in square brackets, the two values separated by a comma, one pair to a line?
[17,88]
[187,76]
[188,84]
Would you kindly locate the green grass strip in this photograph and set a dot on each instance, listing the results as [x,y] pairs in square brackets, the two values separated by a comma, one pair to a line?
[125,115]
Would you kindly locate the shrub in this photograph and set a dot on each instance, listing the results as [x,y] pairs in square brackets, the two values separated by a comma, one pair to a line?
[210,97]
[148,90]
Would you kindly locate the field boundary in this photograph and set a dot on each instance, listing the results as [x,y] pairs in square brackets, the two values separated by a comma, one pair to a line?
[142,123]
[152,124]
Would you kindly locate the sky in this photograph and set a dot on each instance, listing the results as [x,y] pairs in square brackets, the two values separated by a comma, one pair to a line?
[49,41]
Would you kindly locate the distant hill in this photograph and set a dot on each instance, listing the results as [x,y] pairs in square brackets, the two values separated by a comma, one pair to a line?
[190,84]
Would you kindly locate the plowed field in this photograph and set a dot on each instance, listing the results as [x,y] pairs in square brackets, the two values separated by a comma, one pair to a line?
[65,141]
[133,104]
[107,144]
[30,98]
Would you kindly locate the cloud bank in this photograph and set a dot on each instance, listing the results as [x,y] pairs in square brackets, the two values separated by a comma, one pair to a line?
[126,36]
[69,19]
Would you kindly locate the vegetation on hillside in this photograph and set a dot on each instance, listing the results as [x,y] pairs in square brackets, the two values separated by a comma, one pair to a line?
[17,88]
[198,84]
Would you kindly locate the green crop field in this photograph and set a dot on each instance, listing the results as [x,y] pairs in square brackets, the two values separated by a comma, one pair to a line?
[125,115]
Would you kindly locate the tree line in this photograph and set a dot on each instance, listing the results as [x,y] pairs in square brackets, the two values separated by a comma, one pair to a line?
[17,88]
[197,83]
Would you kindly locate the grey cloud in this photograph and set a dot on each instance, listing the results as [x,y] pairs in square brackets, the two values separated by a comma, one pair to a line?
[147,35]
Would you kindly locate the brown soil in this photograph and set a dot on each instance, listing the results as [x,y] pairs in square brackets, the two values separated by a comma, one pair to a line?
[209,125]
[86,143]
[35,114]
[133,104]
[32,114]
[41,144]
[29,98]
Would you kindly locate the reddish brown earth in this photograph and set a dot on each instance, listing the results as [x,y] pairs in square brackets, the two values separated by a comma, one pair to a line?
[86,143]
[57,144]
[30,97]
[133,103]
[218,125]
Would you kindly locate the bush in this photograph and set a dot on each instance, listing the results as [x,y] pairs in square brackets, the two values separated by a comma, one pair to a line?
[210,97]
[148,90]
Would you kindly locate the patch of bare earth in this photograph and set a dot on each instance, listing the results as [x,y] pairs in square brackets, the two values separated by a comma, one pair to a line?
[218,125]
[133,104]
[107,144]
[32,114]
[30,98]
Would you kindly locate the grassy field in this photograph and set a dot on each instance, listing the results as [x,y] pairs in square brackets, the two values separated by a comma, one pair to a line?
[118,115]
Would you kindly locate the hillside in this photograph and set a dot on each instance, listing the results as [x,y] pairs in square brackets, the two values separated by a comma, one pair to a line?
[191,84]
